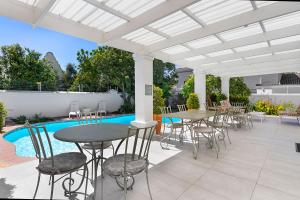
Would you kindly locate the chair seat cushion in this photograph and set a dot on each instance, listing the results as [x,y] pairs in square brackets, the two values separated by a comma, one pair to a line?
[219,124]
[97,145]
[202,129]
[115,165]
[177,125]
[63,163]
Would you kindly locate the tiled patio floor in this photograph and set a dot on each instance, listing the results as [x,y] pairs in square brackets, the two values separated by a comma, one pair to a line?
[260,164]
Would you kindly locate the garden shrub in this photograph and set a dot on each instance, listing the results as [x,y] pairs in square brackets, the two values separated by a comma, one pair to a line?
[220,97]
[239,99]
[268,107]
[193,101]
[37,118]
[158,100]
[3,114]
[289,106]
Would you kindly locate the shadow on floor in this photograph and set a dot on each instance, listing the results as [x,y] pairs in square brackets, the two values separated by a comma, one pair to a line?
[6,190]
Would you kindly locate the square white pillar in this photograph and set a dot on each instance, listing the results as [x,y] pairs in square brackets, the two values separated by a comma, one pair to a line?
[143,89]
[200,87]
[225,86]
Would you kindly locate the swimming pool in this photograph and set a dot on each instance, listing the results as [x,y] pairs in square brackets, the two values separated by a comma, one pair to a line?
[21,139]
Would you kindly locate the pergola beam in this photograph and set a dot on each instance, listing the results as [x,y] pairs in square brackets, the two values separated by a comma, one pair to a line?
[286,69]
[267,12]
[259,67]
[106,8]
[250,53]
[44,7]
[156,13]
[27,14]
[262,37]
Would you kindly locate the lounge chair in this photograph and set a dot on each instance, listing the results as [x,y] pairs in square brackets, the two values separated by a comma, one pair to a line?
[101,108]
[74,110]
[290,114]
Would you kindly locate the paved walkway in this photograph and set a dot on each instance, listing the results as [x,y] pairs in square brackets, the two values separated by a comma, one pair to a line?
[260,164]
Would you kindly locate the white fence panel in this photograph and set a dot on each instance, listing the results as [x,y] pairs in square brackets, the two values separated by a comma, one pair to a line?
[55,104]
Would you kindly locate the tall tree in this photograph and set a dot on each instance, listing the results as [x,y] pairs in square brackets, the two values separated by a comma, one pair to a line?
[106,67]
[22,68]
[164,76]
[213,85]
[69,75]
[238,87]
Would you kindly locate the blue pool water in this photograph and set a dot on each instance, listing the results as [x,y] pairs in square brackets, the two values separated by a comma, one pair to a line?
[21,139]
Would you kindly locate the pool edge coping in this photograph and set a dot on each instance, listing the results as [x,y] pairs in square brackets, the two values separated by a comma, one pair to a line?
[14,158]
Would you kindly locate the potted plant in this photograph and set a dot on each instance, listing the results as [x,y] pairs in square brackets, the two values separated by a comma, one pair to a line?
[3,114]
[192,102]
[158,101]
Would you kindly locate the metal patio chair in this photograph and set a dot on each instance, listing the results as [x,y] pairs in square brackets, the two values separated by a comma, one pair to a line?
[208,131]
[61,164]
[95,118]
[174,126]
[220,124]
[123,167]
[181,108]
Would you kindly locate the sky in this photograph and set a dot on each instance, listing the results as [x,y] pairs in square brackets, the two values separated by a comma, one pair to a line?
[43,40]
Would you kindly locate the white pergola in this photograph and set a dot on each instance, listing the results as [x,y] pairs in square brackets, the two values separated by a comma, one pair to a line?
[227,38]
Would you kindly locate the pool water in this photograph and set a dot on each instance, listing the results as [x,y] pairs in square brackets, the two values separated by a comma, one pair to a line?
[21,139]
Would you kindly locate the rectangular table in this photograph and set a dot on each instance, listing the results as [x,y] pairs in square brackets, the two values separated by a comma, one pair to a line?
[193,116]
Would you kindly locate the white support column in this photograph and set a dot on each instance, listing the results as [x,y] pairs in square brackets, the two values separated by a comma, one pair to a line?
[200,87]
[143,89]
[225,85]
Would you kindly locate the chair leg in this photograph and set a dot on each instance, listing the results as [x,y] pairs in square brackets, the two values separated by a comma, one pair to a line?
[52,186]
[37,185]
[147,178]
[87,180]
[125,186]
[216,145]
[113,149]
[228,135]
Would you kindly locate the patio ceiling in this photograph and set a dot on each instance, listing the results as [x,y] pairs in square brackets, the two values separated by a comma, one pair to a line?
[222,37]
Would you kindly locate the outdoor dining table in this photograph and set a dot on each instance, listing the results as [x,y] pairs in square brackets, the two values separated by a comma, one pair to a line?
[192,116]
[91,133]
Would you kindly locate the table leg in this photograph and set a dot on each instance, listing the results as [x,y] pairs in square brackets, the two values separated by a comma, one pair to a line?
[94,158]
[195,151]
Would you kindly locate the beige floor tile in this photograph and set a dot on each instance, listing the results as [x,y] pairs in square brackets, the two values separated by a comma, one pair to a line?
[183,170]
[282,182]
[225,185]
[197,193]
[267,193]
[238,169]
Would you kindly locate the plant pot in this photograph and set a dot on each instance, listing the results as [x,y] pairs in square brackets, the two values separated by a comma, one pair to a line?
[158,118]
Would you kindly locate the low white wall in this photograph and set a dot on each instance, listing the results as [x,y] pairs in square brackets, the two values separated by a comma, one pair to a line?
[277,98]
[55,104]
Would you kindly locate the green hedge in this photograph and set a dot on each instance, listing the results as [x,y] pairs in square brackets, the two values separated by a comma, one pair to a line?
[239,99]
[3,114]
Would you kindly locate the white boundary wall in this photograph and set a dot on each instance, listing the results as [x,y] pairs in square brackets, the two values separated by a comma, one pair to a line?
[277,98]
[55,104]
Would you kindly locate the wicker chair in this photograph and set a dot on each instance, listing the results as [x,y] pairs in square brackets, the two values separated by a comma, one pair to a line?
[123,167]
[60,164]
